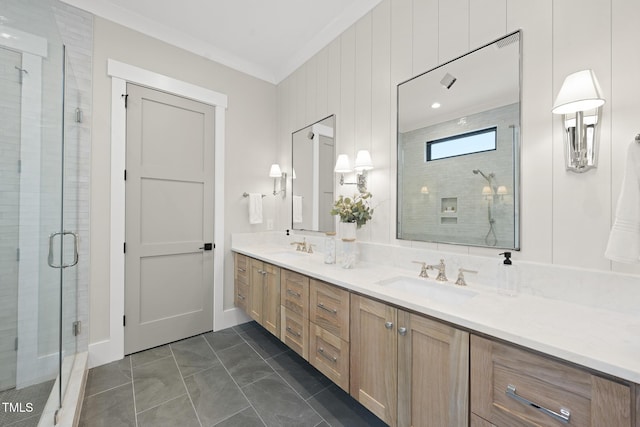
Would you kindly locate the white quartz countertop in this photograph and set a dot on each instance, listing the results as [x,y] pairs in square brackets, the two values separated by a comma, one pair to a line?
[598,339]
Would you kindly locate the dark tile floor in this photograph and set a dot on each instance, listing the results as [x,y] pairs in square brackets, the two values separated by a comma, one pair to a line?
[241,376]
[34,396]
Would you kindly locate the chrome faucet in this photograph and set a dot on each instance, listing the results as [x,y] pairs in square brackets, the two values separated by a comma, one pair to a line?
[423,269]
[302,246]
[442,277]
[460,281]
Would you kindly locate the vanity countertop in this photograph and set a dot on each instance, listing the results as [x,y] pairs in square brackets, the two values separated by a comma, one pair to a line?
[599,339]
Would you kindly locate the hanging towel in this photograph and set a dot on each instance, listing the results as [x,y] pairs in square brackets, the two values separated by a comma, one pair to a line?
[255,208]
[297,209]
[624,239]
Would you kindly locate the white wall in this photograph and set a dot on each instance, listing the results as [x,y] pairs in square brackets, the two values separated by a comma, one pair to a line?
[566,217]
[250,147]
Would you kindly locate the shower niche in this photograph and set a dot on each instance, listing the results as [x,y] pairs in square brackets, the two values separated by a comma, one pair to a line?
[458,146]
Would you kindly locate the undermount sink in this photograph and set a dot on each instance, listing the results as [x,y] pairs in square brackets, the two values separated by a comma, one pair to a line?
[445,292]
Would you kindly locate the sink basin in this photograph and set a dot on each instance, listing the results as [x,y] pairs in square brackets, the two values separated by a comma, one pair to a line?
[445,292]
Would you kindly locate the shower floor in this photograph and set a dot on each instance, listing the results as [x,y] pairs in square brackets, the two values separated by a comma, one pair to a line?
[22,408]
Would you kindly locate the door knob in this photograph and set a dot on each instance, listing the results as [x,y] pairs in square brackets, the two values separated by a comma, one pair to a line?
[402,331]
[388,325]
[207,247]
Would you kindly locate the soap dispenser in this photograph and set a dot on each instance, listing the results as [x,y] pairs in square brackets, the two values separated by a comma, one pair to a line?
[507,277]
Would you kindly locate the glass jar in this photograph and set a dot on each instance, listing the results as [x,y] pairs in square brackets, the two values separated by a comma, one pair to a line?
[330,247]
[349,253]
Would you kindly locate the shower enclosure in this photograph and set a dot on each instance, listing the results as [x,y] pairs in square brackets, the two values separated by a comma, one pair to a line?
[40,211]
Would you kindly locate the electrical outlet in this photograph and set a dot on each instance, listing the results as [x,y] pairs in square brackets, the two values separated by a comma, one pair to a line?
[269,224]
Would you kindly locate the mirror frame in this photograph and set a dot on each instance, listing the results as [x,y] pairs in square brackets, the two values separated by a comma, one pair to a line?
[517,157]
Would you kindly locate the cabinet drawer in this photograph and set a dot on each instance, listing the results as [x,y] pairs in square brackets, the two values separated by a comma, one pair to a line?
[330,355]
[515,387]
[242,268]
[241,298]
[294,293]
[329,308]
[295,332]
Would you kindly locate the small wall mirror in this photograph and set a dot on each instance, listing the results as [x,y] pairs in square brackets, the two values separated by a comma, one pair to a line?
[313,156]
[458,149]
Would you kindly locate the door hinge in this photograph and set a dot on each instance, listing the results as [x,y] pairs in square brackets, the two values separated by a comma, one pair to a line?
[17,254]
[77,327]
[20,166]
[124,247]
[126,97]
[125,174]
[124,320]
[16,344]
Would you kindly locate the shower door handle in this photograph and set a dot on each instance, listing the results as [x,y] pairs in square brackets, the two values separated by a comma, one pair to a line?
[75,249]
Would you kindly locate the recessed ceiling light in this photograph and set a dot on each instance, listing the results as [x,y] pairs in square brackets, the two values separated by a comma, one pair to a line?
[435,105]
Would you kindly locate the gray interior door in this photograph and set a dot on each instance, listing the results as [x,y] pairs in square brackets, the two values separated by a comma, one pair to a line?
[169,218]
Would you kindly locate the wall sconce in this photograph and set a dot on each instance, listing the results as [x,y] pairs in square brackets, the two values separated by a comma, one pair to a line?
[579,101]
[424,189]
[363,164]
[502,191]
[275,172]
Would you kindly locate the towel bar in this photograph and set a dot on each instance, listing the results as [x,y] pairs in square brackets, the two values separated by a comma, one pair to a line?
[245,194]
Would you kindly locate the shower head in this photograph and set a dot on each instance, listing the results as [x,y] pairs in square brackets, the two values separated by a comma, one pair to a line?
[487,177]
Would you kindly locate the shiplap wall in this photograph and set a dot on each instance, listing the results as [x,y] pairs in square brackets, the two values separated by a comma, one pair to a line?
[566,217]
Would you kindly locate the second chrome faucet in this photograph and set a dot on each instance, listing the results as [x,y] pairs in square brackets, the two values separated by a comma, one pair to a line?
[441,277]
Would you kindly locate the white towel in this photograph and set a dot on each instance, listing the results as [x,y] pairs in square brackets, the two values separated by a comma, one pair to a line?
[297,209]
[255,208]
[624,239]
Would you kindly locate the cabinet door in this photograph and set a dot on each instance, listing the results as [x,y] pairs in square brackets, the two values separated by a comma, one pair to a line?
[241,282]
[374,357]
[271,299]
[433,373]
[256,289]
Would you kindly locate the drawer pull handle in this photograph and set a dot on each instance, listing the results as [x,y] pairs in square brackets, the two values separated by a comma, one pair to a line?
[295,294]
[242,269]
[326,356]
[388,325]
[241,296]
[330,310]
[291,331]
[402,331]
[563,416]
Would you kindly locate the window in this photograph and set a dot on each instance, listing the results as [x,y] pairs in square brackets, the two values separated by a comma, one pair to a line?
[459,145]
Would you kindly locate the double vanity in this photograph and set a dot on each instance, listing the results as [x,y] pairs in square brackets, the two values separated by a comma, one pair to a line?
[420,352]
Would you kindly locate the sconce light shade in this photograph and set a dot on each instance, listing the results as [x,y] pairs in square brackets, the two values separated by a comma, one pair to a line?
[580,91]
[502,190]
[342,164]
[579,101]
[424,189]
[486,191]
[363,161]
[275,171]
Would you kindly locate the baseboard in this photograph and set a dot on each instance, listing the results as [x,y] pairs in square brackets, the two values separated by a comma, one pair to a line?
[100,353]
[230,317]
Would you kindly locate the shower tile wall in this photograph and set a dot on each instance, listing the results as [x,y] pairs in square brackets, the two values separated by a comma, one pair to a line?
[38,332]
[422,213]
[9,212]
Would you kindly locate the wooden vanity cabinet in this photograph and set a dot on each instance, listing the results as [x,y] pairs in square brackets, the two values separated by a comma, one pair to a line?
[407,369]
[295,312]
[241,282]
[264,295]
[329,331]
[504,379]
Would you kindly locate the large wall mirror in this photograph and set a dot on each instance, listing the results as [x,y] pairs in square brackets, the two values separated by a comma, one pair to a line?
[313,154]
[458,149]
